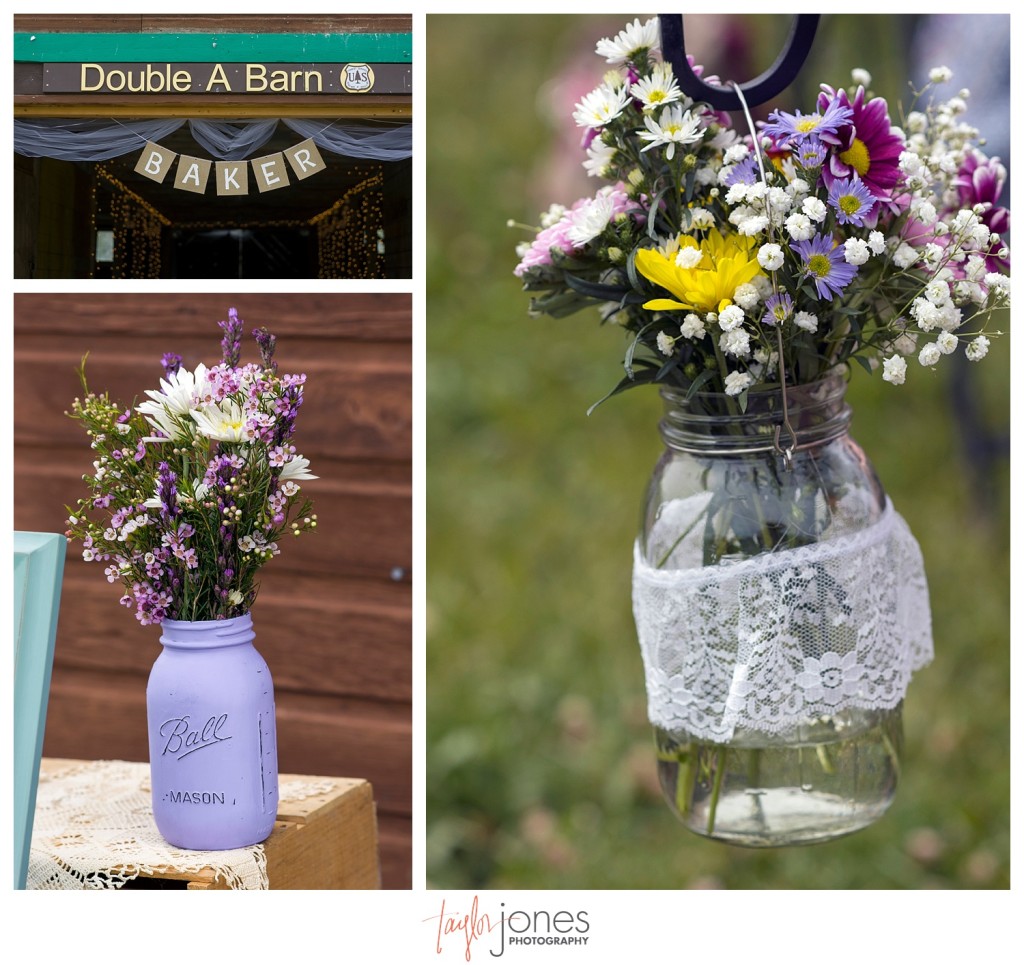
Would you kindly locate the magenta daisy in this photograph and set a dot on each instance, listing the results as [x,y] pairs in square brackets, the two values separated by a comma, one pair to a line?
[824,263]
[865,145]
[980,181]
[851,200]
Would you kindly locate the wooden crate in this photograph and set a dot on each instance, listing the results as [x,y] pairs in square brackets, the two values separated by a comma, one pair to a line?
[326,841]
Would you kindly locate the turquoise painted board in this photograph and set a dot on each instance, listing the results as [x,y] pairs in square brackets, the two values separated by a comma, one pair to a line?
[38,571]
[370,48]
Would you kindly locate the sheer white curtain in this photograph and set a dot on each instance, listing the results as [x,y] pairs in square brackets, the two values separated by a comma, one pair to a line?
[101,139]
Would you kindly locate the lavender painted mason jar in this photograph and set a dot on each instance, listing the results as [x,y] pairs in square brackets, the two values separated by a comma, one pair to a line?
[212,736]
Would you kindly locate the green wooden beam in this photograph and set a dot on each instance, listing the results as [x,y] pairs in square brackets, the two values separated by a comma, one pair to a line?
[270,48]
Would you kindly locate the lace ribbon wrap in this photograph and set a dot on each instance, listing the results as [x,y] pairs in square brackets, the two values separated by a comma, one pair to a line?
[94,830]
[767,643]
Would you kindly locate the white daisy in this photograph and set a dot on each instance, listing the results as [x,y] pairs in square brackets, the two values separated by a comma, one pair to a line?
[600,106]
[676,126]
[297,468]
[590,219]
[599,158]
[658,89]
[224,422]
[628,43]
[167,408]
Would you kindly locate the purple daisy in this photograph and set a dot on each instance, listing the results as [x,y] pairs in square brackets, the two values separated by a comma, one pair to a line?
[865,146]
[825,263]
[745,172]
[851,200]
[794,128]
[778,308]
[810,153]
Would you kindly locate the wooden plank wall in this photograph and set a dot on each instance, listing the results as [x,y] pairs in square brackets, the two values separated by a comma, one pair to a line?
[333,618]
[211,23]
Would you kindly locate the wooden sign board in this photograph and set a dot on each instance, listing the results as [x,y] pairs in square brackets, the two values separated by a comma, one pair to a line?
[249,78]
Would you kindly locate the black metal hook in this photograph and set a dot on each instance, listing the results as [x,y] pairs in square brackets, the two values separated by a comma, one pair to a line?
[757,91]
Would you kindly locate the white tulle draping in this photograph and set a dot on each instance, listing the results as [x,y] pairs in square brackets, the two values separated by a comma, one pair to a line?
[375,141]
[87,139]
[102,139]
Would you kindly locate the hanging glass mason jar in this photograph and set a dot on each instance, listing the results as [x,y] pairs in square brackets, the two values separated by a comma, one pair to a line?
[212,736]
[781,608]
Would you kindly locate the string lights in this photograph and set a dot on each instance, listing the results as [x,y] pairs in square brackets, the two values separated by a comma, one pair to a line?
[350,233]
[138,230]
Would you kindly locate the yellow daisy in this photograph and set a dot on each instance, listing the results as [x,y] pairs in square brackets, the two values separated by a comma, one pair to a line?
[727,262]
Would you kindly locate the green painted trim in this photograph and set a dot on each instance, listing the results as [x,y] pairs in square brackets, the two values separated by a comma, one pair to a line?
[130,48]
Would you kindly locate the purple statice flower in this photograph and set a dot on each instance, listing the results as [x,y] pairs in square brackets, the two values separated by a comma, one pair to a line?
[287,409]
[266,343]
[791,129]
[745,172]
[824,263]
[171,362]
[810,153]
[167,491]
[865,144]
[231,343]
[851,199]
[220,469]
[778,308]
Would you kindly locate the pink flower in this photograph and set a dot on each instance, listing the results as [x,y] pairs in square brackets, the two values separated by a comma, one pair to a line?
[559,235]
[980,181]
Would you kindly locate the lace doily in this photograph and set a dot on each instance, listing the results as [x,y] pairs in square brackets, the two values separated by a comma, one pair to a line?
[94,829]
[769,642]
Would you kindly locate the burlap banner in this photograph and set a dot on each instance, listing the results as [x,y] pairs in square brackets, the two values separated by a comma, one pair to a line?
[231,177]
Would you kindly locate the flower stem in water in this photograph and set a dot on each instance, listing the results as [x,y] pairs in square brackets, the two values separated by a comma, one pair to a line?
[716,788]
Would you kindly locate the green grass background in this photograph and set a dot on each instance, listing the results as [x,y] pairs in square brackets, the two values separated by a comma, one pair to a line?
[540,766]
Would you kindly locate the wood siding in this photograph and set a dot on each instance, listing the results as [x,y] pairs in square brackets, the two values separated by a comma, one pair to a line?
[333,619]
[211,23]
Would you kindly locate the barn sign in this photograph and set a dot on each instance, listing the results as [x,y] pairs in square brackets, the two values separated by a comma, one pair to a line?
[226,78]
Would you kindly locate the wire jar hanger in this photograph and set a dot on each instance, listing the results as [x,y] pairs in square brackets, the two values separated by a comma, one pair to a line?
[757,91]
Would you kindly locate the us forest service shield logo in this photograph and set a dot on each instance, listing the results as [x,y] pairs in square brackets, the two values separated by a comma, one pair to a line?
[357,78]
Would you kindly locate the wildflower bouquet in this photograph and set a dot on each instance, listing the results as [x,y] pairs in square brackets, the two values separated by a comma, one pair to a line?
[192,488]
[735,265]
